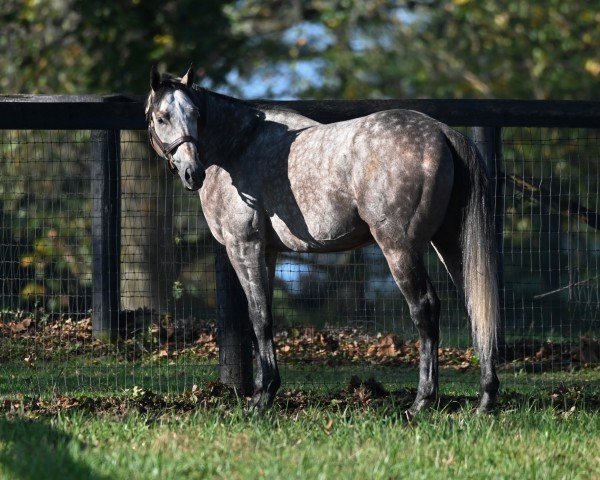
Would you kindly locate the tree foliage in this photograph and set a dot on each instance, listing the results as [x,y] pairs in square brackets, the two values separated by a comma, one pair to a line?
[316,48]
[87,46]
[449,48]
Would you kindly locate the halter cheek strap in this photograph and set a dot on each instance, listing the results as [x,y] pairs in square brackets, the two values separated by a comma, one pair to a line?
[167,151]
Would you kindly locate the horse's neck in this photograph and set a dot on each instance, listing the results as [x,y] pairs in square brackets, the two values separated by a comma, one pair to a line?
[229,122]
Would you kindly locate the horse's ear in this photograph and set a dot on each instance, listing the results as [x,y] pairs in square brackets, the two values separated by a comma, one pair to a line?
[154,78]
[188,78]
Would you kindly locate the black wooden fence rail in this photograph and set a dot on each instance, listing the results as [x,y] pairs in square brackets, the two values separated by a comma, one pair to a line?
[107,115]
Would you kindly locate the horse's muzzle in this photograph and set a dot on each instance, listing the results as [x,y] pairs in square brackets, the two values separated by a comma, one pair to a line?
[193,178]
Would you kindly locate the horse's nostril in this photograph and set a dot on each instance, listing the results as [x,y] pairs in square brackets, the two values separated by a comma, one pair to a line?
[188,176]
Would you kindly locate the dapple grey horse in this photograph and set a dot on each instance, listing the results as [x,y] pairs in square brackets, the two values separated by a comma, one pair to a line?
[272,180]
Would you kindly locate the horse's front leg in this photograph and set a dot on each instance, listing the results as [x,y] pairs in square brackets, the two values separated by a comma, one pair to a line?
[248,260]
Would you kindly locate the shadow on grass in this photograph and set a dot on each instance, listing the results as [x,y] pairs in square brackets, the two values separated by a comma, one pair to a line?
[357,395]
[31,449]
[372,395]
[517,401]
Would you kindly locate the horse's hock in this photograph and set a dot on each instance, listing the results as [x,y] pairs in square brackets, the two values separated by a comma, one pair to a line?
[98,243]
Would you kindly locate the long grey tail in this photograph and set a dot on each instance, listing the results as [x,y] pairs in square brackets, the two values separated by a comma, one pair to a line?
[478,245]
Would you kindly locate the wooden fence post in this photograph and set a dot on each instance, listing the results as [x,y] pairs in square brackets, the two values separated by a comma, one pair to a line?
[489,142]
[106,233]
[234,334]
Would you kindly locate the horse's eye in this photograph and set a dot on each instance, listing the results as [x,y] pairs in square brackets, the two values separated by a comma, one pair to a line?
[160,120]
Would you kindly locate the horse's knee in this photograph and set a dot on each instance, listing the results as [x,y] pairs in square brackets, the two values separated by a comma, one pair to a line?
[261,324]
[259,312]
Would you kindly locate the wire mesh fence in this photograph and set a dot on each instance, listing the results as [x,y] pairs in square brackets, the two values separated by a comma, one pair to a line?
[551,249]
[336,315]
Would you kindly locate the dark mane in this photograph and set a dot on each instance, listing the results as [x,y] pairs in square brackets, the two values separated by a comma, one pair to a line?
[169,81]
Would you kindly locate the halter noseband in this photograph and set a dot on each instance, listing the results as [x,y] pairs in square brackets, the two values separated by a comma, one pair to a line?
[167,151]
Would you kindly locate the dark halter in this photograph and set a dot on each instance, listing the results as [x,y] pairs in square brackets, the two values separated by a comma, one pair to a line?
[167,151]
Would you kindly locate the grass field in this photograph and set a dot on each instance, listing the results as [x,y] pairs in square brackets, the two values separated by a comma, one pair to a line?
[542,430]
[144,411]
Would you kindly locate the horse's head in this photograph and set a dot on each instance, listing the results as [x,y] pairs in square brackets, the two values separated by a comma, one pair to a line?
[173,126]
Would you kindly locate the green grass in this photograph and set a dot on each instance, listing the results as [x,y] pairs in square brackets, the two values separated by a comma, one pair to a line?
[102,416]
[540,431]
[315,442]
[67,412]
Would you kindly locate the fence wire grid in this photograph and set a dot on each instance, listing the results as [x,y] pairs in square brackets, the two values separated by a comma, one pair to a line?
[336,315]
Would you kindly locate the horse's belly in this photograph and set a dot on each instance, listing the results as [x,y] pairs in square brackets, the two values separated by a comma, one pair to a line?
[305,234]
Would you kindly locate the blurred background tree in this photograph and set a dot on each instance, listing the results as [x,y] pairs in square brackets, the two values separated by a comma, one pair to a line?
[427,48]
[316,48]
[77,46]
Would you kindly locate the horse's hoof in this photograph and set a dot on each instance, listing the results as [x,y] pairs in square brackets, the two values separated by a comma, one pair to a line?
[261,402]
[249,411]
[487,404]
[485,409]
[419,405]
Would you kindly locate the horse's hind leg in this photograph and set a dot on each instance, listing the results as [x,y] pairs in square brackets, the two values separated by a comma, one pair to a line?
[248,260]
[409,273]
